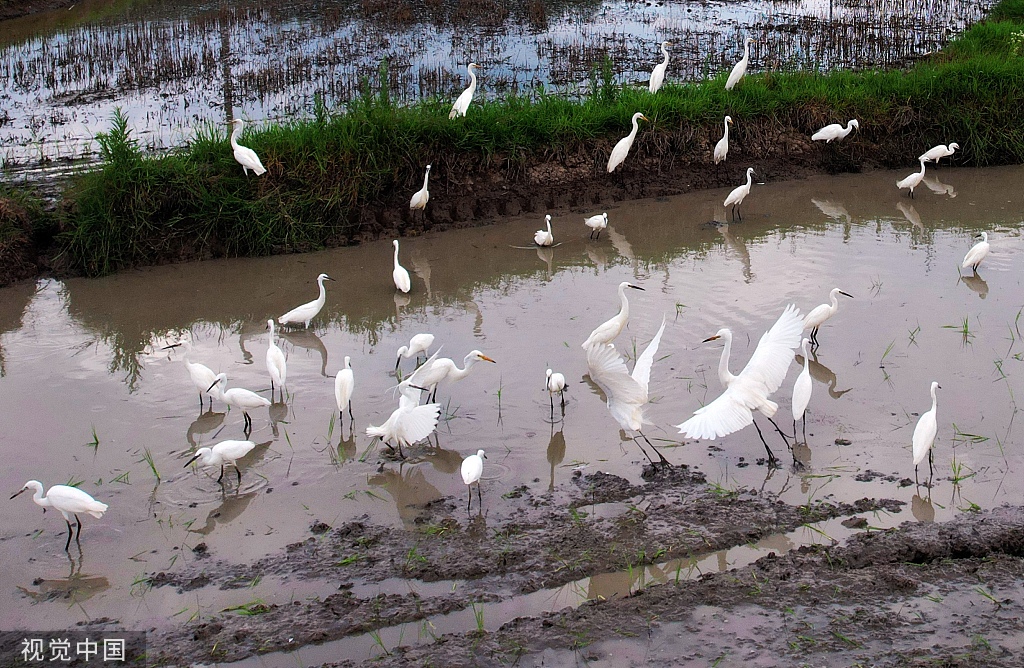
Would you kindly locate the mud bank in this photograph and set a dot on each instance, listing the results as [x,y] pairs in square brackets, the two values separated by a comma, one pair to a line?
[12,9]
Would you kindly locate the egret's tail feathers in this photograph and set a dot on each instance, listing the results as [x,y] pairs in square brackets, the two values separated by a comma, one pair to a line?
[96,509]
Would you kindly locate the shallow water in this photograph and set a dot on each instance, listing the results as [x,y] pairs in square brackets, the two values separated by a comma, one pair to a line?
[176,67]
[86,390]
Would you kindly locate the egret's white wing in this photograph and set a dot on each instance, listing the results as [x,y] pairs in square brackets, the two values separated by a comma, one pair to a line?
[723,416]
[642,370]
[774,353]
[608,370]
[417,423]
[420,373]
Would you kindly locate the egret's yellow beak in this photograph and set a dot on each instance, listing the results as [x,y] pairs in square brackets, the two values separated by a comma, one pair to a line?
[711,338]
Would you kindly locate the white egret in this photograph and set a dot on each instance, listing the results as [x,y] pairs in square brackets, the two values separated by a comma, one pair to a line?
[802,391]
[309,310]
[225,452]
[69,501]
[245,156]
[749,391]
[421,196]
[939,152]
[722,147]
[472,469]
[740,68]
[409,423]
[738,194]
[924,435]
[344,384]
[400,274]
[977,253]
[238,397]
[596,224]
[435,370]
[200,374]
[912,181]
[819,314]
[611,328]
[621,149]
[626,393]
[462,103]
[658,75]
[276,365]
[419,343]
[555,382]
[835,131]
[544,237]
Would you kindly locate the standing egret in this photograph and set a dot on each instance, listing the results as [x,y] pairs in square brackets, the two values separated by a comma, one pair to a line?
[740,68]
[977,253]
[309,310]
[611,328]
[738,194]
[344,384]
[225,452]
[276,365]
[245,156]
[462,103]
[939,152]
[409,423]
[912,181]
[749,391]
[819,314]
[802,391]
[596,224]
[237,397]
[435,370]
[658,75]
[400,274]
[472,469]
[924,435]
[420,197]
[69,501]
[722,147]
[835,132]
[626,393]
[544,237]
[419,343]
[200,374]
[621,149]
[555,382]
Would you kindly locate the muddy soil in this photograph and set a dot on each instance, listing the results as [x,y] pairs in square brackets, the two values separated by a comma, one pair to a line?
[12,9]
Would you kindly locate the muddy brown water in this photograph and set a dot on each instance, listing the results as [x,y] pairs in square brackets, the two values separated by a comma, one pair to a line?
[84,357]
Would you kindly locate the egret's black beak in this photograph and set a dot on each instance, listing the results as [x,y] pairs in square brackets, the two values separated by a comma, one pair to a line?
[846,293]
[212,386]
[190,461]
[19,492]
[711,338]
[635,287]
[421,389]
[173,345]
[329,279]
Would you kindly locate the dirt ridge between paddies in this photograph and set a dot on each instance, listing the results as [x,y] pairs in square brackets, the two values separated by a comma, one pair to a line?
[338,179]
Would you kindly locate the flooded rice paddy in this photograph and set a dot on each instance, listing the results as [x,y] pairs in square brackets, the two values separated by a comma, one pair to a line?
[89,395]
[175,67]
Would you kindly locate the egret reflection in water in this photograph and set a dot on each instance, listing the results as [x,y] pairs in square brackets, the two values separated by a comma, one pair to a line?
[231,507]
[308,340]
[822,374]
[204,424]
[76,588]
[938,187]
[832,209]
[976,283]
[555,452]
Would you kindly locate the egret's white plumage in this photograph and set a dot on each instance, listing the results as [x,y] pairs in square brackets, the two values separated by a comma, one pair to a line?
[421,196]
[596,224]
[344,385]
[237,397]
[544,237]
[621,149]
[276,365]
[303,314]
[939,152]
[977,253]
[462,103]
[419,343]
[835,131]
[400,274]
[740,68]
[437,369]
[924,432]
[245,156]
[200,374]
[819,314]
[611,328]
[68,500]
[912,181]
[472,469]
[738,194]
[722,147]
[409,423]
[554,382]
[223,453]
[658,75]
[802,390]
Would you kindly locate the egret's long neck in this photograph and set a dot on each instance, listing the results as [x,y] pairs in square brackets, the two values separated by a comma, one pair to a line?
[459,374]
[726,124]
[45,502]
[472,79]
[834,298]
[849,128]
[749,179]
[396,257]
[636,128]
[746,51]
[235,134]
[723,364]
[984,237]
[548,221]
[665,52]
[934,402]
[271,323]
[323,291]
[922,169]
[623,304]
[425,177]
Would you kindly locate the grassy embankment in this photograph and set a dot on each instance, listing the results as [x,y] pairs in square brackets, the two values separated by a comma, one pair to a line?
[326,173]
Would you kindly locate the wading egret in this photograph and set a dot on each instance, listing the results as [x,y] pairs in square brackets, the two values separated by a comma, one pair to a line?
[223,453]
[472,469]
[276,365]
[409,423]
[419,343]
[596,224]
[738,194]
[722,147]
[400,274]
[245,156]
[611,328]
[621,149]
[658,75]
[69,501]
[924,435]
[835,132]
[307,311]
[462,103]
[749,391]
[237,397]
[420,197]
[435,370]
[555,382]
[939,152]
[977,253]
[344,384]
[626,393]
[544,237]
[200,374]
[802,391]
[819,314]
[740,68]
[912,181]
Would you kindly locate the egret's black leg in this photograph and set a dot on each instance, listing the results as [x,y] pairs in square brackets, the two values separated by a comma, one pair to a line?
[931,470]
[561,394]
[551,400]
[598,235]
[772,460]
[804,427]
[782,433]
[221,477]
[469,504]
[644,451]
[78,534]
[239,472]
[479,495]
[660,456]
[350,411]
[201,403]
[67,545]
